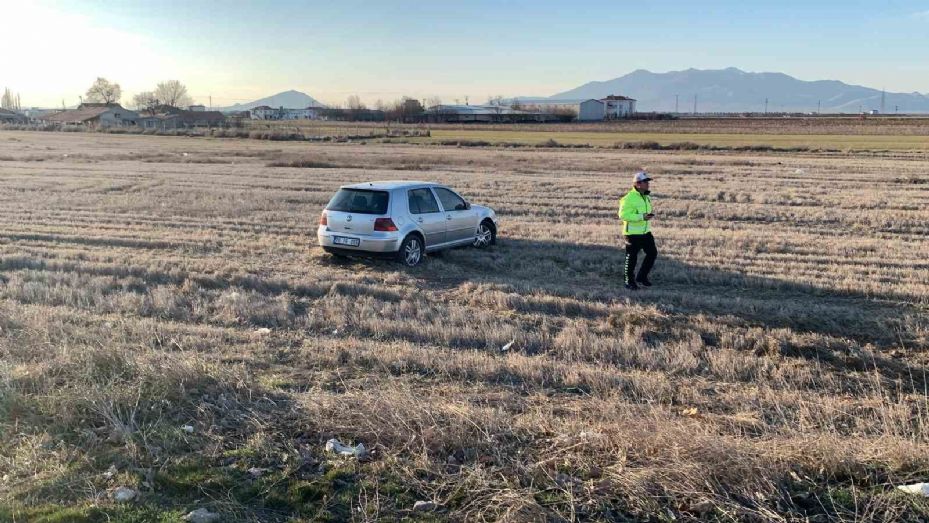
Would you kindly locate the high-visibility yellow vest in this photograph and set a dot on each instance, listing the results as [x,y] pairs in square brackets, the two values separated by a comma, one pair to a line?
[632,210]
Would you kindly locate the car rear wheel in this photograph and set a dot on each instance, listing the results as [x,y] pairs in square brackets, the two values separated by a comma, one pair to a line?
[486,235]
[411,251]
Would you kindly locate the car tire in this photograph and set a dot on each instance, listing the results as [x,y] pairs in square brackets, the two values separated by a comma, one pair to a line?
[486,235]
[411,251]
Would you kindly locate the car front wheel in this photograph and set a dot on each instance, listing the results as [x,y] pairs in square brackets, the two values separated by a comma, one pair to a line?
[411,251]
[486,235]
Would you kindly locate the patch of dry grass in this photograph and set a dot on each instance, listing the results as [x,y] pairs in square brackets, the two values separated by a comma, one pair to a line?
[776,372]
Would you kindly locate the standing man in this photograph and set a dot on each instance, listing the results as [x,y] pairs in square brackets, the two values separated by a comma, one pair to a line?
[635,210]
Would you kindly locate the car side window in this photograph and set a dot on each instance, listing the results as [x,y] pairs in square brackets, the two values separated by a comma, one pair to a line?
[450,200]
[422,201]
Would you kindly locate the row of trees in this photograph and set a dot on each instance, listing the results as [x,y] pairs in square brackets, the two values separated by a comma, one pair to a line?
[9,101]
[171,92]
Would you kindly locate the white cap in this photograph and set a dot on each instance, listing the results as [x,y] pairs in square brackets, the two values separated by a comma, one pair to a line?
[641,176]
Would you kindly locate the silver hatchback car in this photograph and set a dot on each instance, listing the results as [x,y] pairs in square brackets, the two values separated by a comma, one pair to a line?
[404,220]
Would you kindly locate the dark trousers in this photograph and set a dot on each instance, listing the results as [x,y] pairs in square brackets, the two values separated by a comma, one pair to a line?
[634,244]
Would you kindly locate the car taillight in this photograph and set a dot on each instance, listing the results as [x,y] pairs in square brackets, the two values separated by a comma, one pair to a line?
[323,219]
[384,225]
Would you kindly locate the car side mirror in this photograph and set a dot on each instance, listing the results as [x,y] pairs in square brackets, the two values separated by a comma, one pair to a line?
[467,206]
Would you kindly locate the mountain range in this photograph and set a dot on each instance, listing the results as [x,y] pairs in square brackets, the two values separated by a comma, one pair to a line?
[288,99]
[716,90]
[734,90]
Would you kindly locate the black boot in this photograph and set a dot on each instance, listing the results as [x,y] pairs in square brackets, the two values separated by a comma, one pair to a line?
[643,281]
[632,286]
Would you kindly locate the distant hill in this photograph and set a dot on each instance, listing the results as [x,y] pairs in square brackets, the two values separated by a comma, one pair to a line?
[734,90]
[288,99]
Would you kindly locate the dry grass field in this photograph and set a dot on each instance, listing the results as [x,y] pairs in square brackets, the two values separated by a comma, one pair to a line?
[167,324]
[829,133]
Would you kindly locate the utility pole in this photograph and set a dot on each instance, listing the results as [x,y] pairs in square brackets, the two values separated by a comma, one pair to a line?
[765,106]
[695,104]
[676,103]
[211,102]
[819,107]
[883,96]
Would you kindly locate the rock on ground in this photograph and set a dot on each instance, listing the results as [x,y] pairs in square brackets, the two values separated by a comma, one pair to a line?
[201,515]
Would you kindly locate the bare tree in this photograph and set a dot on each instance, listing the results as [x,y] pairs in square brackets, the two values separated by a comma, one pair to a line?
[433,101]
[173,93]
[9,101]
[146,102]
[104,91]
[496,102]
[354,103]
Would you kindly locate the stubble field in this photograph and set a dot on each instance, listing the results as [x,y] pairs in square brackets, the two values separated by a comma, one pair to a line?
[167,324]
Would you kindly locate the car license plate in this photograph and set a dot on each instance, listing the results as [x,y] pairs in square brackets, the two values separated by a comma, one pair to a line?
[342,240]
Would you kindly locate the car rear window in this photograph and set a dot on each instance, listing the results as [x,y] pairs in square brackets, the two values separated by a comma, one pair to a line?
[359,201]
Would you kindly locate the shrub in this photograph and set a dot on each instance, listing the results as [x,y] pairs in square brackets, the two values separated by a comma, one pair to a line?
[307,163]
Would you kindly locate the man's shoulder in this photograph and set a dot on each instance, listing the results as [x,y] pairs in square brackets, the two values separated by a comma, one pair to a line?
[631,194]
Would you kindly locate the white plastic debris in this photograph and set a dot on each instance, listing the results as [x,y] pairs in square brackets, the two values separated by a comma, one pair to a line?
[424,506]
[916,488]
[263,331]
[124,494]
[110,472]
[507,346]
[188,429]
[201,515]
[337,447]
[256,472]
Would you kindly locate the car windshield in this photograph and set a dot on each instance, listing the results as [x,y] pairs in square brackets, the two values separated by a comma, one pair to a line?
[359,201]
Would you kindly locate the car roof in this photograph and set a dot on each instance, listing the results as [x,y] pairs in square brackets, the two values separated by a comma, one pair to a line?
[390,185]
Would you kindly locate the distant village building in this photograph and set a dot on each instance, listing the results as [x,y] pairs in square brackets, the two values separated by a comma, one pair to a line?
[352,115]
[486,113]
[609,108]
[11,117]
[34,113]
[166,117]
[100,115]
[198,108]
[263,112]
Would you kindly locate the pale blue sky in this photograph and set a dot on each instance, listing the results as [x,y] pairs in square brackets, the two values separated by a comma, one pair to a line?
[239,51]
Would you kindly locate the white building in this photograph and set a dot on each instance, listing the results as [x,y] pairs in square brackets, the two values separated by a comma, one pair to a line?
[609,108]
[263,112]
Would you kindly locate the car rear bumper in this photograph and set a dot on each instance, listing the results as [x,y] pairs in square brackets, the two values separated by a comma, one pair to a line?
[388,243]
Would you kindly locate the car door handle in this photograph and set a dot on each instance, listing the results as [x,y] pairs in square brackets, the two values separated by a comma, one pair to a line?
[420,220]
[448,216]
